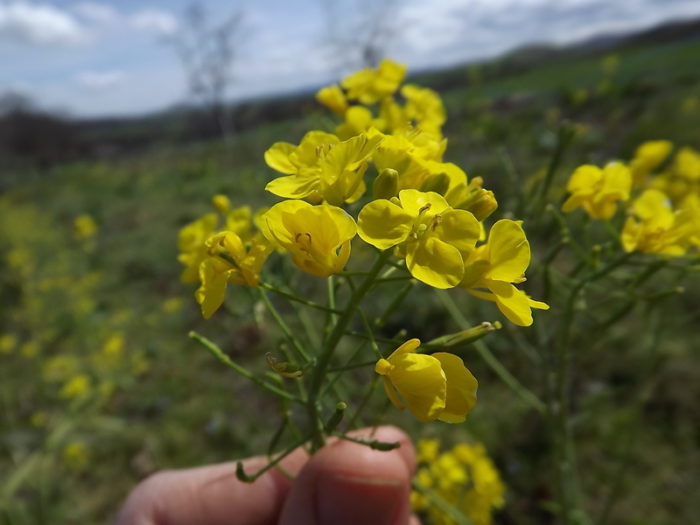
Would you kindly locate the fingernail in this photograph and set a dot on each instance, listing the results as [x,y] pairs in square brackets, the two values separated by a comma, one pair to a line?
[346,500]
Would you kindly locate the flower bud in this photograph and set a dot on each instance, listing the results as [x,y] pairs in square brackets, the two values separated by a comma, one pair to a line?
[481,203]
[437,183]
[467,336]
[386,185]
[221,203]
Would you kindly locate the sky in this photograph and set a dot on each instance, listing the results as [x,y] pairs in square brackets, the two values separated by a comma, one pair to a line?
[116,58]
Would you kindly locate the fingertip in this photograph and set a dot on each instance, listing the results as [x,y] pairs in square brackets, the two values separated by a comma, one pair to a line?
[349,483]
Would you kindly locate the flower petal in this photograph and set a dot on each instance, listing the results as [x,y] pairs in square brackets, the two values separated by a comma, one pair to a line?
[513,303]
[406,348]
[383,224]
[413,201]
[435,262]
[273,224]
[420,381]
[461,388]
[293,186]
[460,229]
[277,157]
[509,251]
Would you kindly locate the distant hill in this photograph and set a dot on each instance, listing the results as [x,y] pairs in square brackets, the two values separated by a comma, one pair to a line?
[32,135]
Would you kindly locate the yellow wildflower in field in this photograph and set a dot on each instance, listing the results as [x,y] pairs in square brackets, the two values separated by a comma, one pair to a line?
[357,120]
[683,176]
[8,342]
[78,386]
[222,203]
[229,260]
[434,238]
[317,237]
[494,267]
[321,167]
[655,227]
[59,367]
[172,305]
[464,477]
[84,227]
[76,455]
[647,158]
[424,108]
[190,243]
[597,190]
[334,99]
[369,86]
[436,386]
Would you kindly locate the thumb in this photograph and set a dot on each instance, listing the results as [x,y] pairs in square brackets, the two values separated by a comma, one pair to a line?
[349,483]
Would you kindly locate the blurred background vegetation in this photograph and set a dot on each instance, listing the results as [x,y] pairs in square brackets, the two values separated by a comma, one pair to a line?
[100,385]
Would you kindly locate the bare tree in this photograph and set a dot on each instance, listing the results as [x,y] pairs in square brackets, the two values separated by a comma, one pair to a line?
[208,51]
[358,33]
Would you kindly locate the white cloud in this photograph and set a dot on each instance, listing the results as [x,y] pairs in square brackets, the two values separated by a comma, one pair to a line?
[98,13]
[159,22]
[100,80]
[27,22]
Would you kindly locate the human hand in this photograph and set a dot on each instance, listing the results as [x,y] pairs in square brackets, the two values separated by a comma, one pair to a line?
[343,483]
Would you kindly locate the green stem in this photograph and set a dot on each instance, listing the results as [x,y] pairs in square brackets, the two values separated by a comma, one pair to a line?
[395,303]
[296,298]
[283,326]
[226,360]
[563,436]
[564,136]
[319,372]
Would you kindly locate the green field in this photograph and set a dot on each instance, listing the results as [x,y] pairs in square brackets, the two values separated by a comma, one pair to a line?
[112,310]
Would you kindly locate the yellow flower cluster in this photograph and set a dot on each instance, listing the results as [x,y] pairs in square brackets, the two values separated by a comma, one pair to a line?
[464,477]
[84,227]
[217,255]
[424,208]
[663,207]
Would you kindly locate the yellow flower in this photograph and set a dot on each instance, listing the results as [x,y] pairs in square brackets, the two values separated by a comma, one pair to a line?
[690,210]
[190,243]
[221,203]
[78,386]
[358,119]
[649,156]
[427,450]
[8,342]
[369,86]
[333,98]
[424,108]
[436,386]
[434,237]
[496,266]
[229,260]
[84,227]
[656,228]
[318,237]
[321,168]
[464,477]
[687,164]
[598,191]
[76,456]
[59,367]
[172,304]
